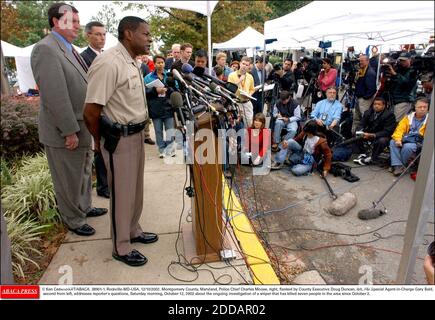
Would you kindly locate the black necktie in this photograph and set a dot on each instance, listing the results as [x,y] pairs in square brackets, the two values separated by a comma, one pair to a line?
[80,60]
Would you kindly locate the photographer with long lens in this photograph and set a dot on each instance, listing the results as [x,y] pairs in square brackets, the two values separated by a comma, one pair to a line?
[286,77]
[402,84]
[365,90]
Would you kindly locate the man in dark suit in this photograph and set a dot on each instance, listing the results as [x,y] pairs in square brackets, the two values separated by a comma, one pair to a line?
[96,35]
[61,75]
[378,124]
[257,74]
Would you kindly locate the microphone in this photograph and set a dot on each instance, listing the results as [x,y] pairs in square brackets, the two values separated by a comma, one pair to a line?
[177,103]
[217,89]
[349,141]
[186,68]
[198,71]
[179,77]
[214,79]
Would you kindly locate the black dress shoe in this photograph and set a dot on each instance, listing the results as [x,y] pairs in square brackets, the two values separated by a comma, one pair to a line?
[149,141]
[145,237]
[104,194]
[96,212]
[134,258]
[85,230]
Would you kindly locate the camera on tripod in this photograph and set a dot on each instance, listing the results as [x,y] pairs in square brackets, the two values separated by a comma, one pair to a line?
[423,64]
[386,63]
[350,65]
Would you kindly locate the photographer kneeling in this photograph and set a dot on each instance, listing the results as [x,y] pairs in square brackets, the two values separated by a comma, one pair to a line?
[377,125]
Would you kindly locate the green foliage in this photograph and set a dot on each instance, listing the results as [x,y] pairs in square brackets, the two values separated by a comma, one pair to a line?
[23,233]
[30,166]
[26,22]
[6,176]
[281,8]
[107,16]
[19,127]
[32,193]
[229,18]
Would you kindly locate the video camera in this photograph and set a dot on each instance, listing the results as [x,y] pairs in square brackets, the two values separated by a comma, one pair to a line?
[350,65]
[423,64]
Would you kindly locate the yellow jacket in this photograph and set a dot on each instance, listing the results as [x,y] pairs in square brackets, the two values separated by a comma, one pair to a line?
[247,85]
[404,126]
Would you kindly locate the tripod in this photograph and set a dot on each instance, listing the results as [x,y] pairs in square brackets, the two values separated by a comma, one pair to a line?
[308,92]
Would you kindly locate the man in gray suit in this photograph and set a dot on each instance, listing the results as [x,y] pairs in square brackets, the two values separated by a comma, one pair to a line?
[60,74]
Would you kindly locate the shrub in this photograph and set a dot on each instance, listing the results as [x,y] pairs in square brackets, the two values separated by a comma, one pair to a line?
[6,176]
[29,166]
[23,233]
[32,192]
[19,127]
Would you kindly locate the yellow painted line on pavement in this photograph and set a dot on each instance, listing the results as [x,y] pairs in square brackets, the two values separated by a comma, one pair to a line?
[256,257]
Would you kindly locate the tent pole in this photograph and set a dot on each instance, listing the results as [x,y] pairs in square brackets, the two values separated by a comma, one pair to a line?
[264,75]
[341,64]
[379,66]
[210,51]
[5,90]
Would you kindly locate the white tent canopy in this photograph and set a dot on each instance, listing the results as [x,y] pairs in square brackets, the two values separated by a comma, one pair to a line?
[377,23]
[248,38]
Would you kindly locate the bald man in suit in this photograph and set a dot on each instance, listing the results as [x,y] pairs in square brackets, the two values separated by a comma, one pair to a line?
[60,74]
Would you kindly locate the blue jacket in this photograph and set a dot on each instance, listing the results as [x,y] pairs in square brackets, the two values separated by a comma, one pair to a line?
[365,87]
[332,111]
[158,107]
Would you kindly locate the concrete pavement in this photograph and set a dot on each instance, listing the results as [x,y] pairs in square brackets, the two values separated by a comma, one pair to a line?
[89,260]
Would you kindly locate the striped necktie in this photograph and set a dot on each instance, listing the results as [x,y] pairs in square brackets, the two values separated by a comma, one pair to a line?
[80,60]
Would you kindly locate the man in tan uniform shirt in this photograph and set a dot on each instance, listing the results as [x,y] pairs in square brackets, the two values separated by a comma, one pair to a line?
[116,91]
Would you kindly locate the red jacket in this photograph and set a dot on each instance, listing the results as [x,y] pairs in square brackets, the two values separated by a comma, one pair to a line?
[327,80]
[259,143]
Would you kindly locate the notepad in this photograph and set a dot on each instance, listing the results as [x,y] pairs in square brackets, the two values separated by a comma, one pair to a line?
[155,84]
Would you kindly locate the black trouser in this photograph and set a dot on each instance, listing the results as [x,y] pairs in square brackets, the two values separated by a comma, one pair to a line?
[258,105]
[101,172]
[378,146]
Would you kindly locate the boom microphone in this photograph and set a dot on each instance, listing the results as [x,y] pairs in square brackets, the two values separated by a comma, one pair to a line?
[177,103]
[179,77]
[217,89]
[350,141]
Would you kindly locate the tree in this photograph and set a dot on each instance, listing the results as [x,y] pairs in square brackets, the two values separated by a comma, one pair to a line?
[281,8]
[229,18]
[25,22]
[107,16]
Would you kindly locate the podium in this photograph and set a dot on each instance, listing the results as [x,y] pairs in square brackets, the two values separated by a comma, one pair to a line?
[205,241]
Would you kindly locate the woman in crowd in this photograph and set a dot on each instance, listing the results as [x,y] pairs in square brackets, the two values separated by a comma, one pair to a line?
[235,65]
[159,109]
[306,151]
[256,142]
[327,76]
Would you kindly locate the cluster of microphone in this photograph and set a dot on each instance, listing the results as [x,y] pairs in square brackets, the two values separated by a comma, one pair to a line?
[196,92]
